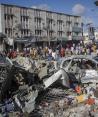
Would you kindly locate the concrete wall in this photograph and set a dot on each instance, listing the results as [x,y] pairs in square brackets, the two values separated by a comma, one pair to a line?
[43,14]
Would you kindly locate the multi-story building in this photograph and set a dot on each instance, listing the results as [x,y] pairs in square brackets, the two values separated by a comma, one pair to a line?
[16,21]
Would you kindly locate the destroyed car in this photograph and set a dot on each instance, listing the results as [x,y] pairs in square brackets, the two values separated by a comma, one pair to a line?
[85,68]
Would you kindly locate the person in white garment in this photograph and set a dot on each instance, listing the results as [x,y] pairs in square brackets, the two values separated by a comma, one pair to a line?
[54,55]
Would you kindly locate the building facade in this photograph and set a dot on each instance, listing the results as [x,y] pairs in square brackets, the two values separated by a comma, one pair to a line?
[16,21]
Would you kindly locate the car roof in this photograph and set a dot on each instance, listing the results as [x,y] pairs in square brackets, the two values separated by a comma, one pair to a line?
[88,57]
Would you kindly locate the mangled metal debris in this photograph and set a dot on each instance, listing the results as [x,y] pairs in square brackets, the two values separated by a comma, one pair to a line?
[25,99]
[81,66]
[27,79]
[20,87]
[59,75]
[24,62]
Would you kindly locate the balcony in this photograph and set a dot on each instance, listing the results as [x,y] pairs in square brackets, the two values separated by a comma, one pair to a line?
[68,22]
[77,37]
[51,29]
[25,16]
[61,31]
[38,18]
[38,28]
[77,29]
[9,14]
[60,21]
[50,20]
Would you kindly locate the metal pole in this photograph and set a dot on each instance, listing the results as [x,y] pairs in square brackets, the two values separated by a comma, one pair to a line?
[13,39]
[61,42]
[13,45]
[82,29]
[48,38]
[48,32]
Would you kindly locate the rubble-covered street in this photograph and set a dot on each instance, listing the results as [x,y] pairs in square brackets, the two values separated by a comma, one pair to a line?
[41,88]
[48,58]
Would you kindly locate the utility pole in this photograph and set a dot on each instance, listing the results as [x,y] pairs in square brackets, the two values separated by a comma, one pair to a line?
[82,29]
[91,31]
[48,27]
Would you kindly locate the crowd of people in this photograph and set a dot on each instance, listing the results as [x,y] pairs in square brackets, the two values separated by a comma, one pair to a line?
[55,52]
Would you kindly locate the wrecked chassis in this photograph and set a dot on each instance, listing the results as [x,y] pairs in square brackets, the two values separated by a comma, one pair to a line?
[83,67]
[23,87]
[17,78]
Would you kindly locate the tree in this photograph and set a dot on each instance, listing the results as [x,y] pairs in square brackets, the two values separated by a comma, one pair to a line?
[96,2]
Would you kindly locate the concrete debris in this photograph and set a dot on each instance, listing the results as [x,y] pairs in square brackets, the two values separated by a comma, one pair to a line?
[26,100]
[35,88]
[62,105]
[24,62]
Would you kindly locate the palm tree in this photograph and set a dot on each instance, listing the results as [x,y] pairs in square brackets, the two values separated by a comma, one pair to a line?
[96,2]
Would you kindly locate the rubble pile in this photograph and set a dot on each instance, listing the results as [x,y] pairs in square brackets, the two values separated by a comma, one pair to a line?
[21,102]
[24,62]
[61,103]
[40,89]
[53,103]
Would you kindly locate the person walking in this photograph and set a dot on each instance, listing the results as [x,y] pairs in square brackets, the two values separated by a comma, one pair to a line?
[54,55]
[62,52]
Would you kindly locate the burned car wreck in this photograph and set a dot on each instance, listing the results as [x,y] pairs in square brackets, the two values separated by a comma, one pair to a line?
[85,68]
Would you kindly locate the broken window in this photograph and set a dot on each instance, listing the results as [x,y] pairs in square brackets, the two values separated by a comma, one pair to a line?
[75,65]
[65,64]
[87,64]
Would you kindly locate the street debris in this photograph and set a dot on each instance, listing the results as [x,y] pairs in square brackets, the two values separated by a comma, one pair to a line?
[35,88]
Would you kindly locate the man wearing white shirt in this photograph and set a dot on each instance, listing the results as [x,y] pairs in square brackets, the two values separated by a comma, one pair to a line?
[50,51]
[54,55]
